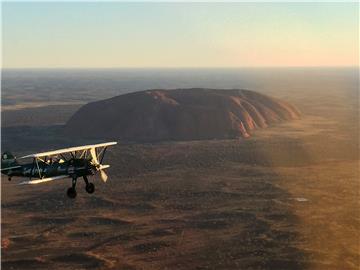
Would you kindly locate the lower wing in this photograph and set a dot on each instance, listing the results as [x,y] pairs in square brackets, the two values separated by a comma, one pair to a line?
[39,181]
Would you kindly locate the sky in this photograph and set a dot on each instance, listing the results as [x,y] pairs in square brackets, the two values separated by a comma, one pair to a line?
[145,35]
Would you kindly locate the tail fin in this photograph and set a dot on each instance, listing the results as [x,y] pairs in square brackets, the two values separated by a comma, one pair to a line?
[8,160]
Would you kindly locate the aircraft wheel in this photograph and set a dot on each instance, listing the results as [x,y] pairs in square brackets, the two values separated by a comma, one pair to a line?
[71,193]
[90,188]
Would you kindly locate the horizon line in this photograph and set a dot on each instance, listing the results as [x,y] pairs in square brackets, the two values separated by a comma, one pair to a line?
[170,67]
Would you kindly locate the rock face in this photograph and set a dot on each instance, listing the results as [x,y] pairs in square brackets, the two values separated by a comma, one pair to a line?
[181,114]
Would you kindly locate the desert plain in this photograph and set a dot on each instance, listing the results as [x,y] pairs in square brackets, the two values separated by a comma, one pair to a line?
[285,198]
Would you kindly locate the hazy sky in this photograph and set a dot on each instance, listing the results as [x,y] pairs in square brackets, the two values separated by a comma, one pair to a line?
[116,34]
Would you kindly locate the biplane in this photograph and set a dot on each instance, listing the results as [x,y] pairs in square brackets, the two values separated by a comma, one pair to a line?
[74,162]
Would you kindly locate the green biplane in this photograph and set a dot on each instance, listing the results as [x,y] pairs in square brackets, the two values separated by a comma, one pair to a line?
[73,163]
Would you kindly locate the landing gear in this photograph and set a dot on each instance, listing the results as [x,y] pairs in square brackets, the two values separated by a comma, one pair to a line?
[71,192]
[90,187]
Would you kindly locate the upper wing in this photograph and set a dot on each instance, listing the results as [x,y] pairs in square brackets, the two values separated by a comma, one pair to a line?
[68,150]
[38,181]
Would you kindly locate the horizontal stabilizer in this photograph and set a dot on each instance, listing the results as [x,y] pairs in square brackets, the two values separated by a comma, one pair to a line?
[10,168]
[39,181]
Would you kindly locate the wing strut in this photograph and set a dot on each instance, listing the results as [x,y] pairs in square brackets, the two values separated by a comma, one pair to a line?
[103,154]
[37,165]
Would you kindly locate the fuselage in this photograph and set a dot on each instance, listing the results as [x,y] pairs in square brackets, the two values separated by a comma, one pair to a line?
[71,168]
